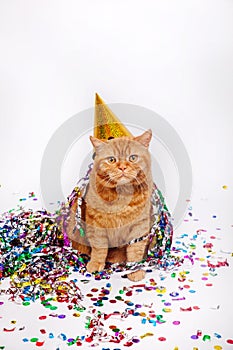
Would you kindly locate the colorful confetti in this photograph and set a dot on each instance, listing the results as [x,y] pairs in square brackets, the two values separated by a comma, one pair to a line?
[39,267]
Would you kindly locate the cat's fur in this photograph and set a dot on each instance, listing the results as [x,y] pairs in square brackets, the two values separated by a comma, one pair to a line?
[117,205]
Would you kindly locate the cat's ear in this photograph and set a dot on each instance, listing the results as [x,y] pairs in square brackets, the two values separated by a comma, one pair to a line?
[96,142]
[145,138]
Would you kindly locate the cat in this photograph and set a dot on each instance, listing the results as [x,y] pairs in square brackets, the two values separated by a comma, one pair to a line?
[117,206]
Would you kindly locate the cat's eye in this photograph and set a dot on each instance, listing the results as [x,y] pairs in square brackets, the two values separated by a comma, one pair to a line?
[133,158]
[112,160]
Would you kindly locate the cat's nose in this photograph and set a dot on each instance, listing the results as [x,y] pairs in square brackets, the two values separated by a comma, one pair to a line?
[122,167]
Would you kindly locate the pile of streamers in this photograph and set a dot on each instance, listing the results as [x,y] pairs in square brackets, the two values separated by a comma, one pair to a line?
[37,255]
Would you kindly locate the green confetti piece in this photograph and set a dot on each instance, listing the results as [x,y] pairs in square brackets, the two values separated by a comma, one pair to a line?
[159,317]
[33,340]
[52,307]
[206,337]
[116,330]
[26,303]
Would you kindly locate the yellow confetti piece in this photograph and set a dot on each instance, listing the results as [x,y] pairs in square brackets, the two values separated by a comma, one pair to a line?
[166,309]
[143,314]
[26,284]
[217,347]
[201,259]
[62,278]
[37,281]
[224,187]
[183,273]
[205,274]
[153,283]
[14,276]
[176,348]
[146,335]
[61,288]
[13,322]
[23,267]
[161,290]
[76,314]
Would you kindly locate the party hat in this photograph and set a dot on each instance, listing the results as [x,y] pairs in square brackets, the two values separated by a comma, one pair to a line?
[106,123]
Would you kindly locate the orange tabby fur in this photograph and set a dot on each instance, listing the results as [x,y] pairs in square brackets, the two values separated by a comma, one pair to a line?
[117,204]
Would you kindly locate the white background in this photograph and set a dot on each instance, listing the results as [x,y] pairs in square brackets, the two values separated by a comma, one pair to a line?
[174,57]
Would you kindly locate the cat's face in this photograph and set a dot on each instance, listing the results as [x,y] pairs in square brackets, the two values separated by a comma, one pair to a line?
[122,160]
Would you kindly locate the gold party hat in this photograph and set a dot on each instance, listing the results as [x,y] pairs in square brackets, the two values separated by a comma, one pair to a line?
[106,124]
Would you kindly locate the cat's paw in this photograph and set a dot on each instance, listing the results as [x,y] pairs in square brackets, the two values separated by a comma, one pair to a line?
[94,266]
[136,275]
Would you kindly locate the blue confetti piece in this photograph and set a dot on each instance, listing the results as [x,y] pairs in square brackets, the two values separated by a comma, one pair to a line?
[217,335]
[62,336]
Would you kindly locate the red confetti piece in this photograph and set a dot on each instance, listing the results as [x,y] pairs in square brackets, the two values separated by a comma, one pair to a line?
[42,331]
[139,286]
[208,245]
[112,327]
[89,339]
[161,339]
[196,308]
[9,330]
[129,343]
[188,309]
[209,284]
[230,341]
[42,317]
[39,343]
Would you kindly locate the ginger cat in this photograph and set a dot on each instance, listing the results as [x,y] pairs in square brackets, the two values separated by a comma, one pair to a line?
[117,203]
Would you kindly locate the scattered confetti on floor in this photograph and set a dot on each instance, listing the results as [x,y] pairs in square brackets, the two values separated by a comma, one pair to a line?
[48,300]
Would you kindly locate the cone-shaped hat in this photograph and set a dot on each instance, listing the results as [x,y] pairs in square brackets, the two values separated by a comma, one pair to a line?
[106,124]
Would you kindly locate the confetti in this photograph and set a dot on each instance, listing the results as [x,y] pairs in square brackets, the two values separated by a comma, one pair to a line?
[9,330]
[40,263]
[206,337]
[176,323]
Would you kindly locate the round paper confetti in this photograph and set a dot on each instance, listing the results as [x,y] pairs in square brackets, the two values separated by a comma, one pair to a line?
[176,323]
